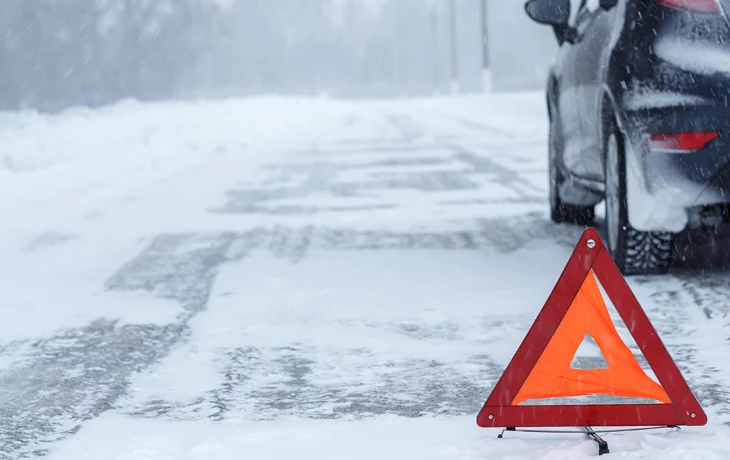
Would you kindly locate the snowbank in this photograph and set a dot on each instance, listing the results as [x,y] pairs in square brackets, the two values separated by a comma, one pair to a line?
[386,438]
[151,132]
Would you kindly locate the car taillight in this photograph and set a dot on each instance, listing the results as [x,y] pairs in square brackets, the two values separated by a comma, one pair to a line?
[680,142]
[697,6]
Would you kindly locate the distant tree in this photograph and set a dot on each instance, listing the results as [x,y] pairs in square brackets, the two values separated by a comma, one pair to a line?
[55,54]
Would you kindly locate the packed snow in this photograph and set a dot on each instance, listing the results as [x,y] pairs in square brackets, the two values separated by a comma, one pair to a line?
[649,99]
[693,55]
[273,277]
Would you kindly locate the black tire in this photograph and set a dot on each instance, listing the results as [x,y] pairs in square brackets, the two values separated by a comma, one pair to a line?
[561,212]
[634,252]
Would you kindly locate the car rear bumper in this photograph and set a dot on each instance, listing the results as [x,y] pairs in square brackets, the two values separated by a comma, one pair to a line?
[665,189]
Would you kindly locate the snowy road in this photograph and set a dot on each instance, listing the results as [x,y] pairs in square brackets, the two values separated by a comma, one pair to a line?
[275,278]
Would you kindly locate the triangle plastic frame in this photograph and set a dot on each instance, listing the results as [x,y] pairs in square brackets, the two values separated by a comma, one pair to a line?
[590,253]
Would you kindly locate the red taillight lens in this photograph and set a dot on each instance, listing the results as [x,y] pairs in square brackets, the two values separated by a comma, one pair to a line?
[697,6]
[680,142]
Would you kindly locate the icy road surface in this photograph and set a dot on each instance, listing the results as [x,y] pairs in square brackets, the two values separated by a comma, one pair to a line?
[274,278]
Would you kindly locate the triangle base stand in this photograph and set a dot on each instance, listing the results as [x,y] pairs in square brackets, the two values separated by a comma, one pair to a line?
[591,433]
[602,445]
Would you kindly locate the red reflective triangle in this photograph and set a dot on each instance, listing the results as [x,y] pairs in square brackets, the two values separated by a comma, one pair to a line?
[499,410]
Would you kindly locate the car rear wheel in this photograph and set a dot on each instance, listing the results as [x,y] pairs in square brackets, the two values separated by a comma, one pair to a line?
[562,212]
[635,252]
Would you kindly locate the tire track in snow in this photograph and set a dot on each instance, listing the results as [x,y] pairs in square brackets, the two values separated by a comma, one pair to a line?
[80,373]
[508,177]
[709,297]
[267,383]
[293,393]
[320,175]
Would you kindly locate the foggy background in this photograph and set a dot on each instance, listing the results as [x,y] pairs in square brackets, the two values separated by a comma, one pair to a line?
[55,54]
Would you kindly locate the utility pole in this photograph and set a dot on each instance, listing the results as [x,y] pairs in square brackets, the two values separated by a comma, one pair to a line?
[485,48]
[486,80]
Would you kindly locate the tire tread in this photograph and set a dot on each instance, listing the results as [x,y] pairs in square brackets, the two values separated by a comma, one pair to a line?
[647,253]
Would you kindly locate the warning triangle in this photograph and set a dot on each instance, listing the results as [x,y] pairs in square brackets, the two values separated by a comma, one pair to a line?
[541,367]
[552,376]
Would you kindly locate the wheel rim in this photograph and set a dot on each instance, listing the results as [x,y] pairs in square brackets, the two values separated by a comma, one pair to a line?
[612,192]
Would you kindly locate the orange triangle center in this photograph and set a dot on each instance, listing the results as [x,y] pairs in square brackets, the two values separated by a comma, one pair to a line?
[553,376]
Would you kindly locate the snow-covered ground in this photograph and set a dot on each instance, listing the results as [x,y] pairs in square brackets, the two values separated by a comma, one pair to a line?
[275,278]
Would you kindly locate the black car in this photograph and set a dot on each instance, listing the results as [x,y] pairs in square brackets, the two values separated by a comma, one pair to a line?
[638,106]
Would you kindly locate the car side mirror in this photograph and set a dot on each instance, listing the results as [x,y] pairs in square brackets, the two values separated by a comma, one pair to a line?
[550,12]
